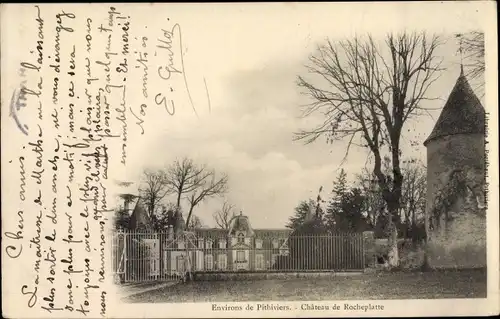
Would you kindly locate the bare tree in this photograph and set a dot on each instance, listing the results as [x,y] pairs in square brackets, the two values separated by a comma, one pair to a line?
[472,47]
[374,203]
[183,177]
[193,182]
[413,198]
[472,44]
[366,93]
[223,216]
[153,189]
[209,185]
[413,195]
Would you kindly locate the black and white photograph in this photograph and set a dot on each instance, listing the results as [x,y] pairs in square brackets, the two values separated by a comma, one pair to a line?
[260,160]
[371,167]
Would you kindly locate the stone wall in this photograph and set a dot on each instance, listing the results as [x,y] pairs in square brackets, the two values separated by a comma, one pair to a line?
[460,244]
[369,248]
[411,256]
[458,238]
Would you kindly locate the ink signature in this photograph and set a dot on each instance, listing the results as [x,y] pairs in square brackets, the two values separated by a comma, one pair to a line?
[169,43]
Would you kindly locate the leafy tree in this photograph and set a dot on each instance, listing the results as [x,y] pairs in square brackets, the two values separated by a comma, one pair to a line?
[340,185]
[339,190]
[305,242]
[122,219]
[301,213]
[122,214]
[164,216]
[346,215]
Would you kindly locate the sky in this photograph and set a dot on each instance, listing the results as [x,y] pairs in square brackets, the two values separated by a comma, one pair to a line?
[250,60]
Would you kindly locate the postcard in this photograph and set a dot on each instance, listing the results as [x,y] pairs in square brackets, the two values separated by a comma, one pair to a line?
[254,160]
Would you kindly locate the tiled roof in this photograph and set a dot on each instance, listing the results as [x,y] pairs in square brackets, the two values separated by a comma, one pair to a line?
[258,233]
[275,233]
[211,232]
[139,216]
[462,113]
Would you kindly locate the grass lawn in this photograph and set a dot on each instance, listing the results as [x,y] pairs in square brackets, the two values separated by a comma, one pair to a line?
[397,285]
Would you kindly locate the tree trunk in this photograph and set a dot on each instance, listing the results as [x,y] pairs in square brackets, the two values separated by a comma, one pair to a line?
[188,219]
[178,203]
[393,254]
[392,196]
[393,243]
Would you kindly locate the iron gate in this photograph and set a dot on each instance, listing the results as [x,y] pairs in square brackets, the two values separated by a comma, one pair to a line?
[153,256]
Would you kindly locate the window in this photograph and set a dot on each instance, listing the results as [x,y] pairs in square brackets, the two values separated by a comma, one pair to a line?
[259,261]
[209,260]
[209,244]
[241,238]
[258,243]
[240,256]
[222,244]
[274,258]
[284,248]
[222,262]
[276,243]
[200,242]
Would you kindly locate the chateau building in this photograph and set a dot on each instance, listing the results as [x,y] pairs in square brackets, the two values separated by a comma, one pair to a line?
[238,248]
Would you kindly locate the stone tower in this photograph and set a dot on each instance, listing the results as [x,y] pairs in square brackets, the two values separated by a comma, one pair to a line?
[139,220]
[456,219]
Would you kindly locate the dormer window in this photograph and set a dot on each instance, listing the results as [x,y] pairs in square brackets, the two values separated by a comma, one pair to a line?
[222,244]
[241,238]
[209,243]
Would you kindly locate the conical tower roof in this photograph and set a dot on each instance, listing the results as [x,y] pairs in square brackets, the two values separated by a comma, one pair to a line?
[180,223]
[462,113]
[140,217]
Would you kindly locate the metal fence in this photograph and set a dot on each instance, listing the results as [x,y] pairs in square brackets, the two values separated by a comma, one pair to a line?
[151,256]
